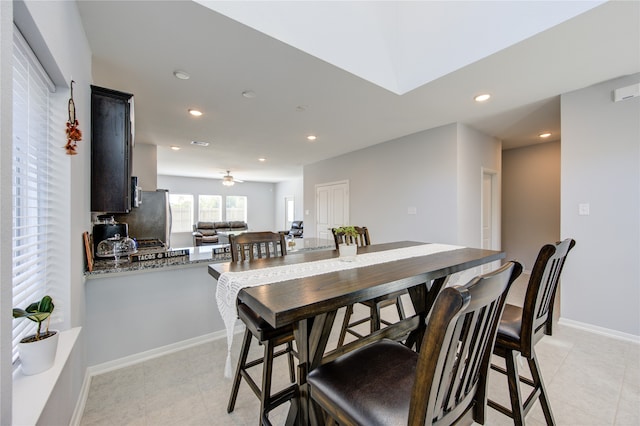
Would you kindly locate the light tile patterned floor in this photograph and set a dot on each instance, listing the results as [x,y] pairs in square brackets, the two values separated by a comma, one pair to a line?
[591,380]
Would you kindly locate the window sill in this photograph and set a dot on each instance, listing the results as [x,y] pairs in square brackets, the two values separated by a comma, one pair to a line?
[31,393]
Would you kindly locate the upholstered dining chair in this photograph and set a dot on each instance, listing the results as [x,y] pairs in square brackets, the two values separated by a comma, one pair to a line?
[375,305]
[386,383]
[521,328]
[251,246]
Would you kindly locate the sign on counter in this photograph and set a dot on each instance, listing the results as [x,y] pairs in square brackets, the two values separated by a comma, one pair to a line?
[141,257]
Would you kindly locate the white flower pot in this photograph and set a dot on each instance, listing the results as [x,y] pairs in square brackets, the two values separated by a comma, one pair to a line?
[38,356]
[348,252]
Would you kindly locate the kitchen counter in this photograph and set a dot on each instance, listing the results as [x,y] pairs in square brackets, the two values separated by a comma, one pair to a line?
[197,255]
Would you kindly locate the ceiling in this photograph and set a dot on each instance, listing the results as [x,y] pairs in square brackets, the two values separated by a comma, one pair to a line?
[297,94]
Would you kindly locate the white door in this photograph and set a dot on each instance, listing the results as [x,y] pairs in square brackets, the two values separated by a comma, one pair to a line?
[332,208]
[490,235]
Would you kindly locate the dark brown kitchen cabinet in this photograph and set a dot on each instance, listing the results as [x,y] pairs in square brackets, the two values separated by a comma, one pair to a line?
[111,150]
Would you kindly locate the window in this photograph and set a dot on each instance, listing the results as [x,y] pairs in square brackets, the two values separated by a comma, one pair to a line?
[236,208]
[209,208]
[32,199]
[181,212]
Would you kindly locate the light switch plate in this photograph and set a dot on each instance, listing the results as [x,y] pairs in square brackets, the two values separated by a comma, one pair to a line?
[583,209]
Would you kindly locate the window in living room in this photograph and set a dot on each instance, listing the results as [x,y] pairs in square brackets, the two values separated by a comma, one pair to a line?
[209,208]
[236,208]
[181,212]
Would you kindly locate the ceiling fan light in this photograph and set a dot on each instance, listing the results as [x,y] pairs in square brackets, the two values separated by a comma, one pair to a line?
[228,180]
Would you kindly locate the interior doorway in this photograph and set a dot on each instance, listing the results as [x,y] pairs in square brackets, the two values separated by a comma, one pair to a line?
[490,215]
[332,207]
[289,211]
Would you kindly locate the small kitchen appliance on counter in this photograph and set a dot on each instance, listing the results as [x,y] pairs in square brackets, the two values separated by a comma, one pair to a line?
[106,227]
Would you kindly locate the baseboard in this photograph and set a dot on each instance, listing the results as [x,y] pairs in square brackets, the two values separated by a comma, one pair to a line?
[127,361]
[600,330]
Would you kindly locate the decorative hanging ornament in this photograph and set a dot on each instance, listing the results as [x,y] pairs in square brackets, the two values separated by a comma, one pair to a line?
[73,132]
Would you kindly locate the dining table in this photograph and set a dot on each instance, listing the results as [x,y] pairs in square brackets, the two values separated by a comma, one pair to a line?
[311,301]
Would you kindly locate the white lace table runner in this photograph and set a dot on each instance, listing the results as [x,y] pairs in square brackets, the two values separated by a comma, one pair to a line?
[230,283]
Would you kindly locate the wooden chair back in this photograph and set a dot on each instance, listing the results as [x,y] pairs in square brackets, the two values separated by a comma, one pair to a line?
[453,364]
[257,245]
[537,311]
[361,240]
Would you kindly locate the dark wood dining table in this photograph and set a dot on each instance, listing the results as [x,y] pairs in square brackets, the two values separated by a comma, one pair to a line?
[311,303]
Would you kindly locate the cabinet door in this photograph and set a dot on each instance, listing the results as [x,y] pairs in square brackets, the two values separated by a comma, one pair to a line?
[111,149]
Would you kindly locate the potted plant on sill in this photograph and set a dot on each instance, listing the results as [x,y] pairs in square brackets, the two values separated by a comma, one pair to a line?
[349,248]
[37,351]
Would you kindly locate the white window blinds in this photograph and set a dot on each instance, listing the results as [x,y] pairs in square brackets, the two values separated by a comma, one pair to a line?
[31,171]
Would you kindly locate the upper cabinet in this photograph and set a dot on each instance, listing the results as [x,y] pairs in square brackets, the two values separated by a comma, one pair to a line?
[111,150]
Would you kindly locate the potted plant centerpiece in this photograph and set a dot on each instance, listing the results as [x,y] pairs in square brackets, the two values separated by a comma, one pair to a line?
[37,351]
[349,248]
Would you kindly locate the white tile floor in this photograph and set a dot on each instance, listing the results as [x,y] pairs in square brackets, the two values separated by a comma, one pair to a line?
[591,380]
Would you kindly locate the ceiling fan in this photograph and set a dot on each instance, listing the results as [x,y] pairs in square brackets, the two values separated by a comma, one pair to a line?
[228,180]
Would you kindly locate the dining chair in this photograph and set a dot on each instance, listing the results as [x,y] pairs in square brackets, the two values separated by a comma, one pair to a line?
[256,245]
[386,383]
[521,328]
[375,305]
[251,246]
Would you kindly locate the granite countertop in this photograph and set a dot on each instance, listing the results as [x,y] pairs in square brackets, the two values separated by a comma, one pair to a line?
[196,255]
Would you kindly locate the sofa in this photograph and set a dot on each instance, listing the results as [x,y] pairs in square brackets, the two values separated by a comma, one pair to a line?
[207,232]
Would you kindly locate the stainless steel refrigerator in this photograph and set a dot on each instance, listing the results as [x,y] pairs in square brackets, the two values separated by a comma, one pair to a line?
[151,220]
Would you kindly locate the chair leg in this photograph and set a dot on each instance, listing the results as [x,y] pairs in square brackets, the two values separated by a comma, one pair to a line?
[246,344]
[401,314]
[513,377]
[267,370]
[292,368]
[345,325]
[537,379]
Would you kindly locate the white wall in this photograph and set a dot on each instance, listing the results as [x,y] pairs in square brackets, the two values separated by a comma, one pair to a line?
[260,201]
[427,171]
[54,31]
[601,167]
[292,188]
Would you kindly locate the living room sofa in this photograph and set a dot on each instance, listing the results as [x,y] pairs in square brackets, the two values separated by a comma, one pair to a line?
[207,232]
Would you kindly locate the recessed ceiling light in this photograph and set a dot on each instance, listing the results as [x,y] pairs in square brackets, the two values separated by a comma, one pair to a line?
[199,143]
[195,112]
[301,108]
[175,148]
[544,135]
[182,75]
[311,137]
[249,94]
[262,160]
[482,98]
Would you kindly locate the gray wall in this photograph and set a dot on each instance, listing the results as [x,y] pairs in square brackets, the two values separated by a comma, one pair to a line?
[601,166]
[145,165]
[530,200]
[260,201]
[54,30]
[182,302]
[427,170]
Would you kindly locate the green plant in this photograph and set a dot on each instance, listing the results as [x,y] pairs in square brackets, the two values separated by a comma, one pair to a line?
[348,231]
[37,312]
